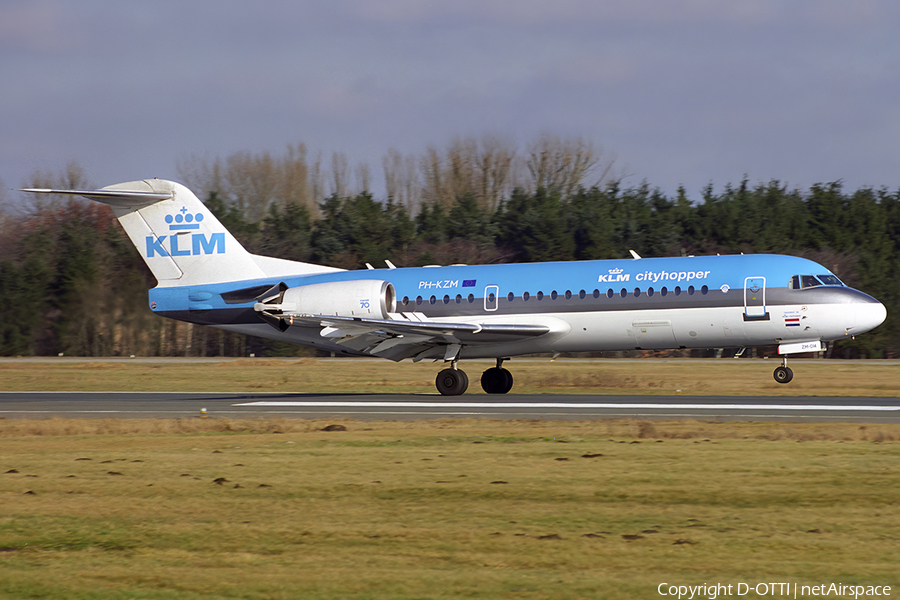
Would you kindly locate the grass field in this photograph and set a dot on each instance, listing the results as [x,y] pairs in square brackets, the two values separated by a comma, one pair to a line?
[532,376]
[440,509]
[281,509]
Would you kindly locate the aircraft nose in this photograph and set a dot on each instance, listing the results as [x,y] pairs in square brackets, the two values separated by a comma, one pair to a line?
[867,316]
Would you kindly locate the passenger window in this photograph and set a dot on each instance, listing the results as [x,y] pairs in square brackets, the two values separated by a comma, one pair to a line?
[677,290]
[596,294]
[582,294]
[609,293]
[405,300]
[623,293]
[540,296]
[569,295]
[664,291]
[471,298]
[526,296]
[553,295]
[432,300]
[446,299]
[418,299]
[690,290]
[650,292]
[637,292]
[704,290]
[458,298]
[510,296]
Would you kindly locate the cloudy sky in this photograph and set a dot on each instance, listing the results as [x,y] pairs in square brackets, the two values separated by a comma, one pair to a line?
[682,92]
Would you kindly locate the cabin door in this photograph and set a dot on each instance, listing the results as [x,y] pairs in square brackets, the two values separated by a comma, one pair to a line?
[755,299]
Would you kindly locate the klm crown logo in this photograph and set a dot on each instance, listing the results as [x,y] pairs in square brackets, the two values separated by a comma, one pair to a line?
[184,221]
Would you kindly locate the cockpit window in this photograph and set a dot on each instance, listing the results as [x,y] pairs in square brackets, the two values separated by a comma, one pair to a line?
[802,282]
[809,281]
[830,280]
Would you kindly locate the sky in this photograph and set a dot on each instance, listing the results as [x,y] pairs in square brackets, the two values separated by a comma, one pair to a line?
[679,92]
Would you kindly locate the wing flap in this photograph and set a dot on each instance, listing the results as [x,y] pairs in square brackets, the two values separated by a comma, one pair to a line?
[405,336]
[437,331]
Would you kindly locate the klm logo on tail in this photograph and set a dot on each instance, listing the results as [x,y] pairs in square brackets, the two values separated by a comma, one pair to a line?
[199,243]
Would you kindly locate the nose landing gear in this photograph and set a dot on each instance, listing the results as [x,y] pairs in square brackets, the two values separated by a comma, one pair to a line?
[783,374]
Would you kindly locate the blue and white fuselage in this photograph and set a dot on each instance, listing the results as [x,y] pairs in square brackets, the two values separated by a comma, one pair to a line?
[484,311]
[652,303]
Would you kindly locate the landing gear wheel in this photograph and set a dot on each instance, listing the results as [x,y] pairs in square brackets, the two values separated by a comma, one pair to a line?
[496,380]
[451,382]
[783,374]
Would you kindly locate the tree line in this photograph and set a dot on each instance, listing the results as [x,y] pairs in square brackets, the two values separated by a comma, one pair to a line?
[71,282]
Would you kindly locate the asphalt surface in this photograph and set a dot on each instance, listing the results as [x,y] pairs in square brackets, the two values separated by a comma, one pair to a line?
[43,405]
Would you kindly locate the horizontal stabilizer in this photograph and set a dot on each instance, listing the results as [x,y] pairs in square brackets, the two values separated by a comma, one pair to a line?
[113,197]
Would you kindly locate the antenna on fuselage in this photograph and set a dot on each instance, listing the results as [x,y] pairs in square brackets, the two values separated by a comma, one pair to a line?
[635,255]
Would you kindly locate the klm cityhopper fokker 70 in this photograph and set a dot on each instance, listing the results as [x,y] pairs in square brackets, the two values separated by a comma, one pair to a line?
[489,311]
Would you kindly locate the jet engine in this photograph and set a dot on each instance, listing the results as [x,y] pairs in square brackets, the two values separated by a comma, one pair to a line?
[370,298]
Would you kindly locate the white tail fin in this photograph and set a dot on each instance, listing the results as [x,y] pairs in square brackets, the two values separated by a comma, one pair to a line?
[179,238]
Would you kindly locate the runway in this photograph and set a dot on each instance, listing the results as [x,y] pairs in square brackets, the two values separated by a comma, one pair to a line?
[44,405]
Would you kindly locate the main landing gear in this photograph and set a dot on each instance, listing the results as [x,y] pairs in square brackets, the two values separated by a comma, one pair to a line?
[783,374]
[453,381]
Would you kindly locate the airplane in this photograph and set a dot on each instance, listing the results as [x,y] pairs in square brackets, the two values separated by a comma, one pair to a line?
[458,312]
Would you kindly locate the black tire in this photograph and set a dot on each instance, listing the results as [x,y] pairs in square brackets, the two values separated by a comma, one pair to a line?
[507,381]
[783,374]
[496,380]
[490,381]
[451,382]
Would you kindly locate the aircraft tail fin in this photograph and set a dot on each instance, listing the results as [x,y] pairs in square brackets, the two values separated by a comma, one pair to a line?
[181,241]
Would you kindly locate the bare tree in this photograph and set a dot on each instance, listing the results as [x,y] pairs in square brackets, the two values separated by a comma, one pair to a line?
[317,181]
[363,177]
[293,185]
[481,167]
[561,164]
[401,178]
[340,174]
[495,159]
[252,182]
[432,169]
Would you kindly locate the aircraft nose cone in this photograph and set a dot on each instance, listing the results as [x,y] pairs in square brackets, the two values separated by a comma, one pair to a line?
[868,316]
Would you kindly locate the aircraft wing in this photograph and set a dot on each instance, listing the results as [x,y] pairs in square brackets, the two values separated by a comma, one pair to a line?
[408,337]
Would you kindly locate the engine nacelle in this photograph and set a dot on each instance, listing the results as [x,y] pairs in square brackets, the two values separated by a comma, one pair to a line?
[362,298]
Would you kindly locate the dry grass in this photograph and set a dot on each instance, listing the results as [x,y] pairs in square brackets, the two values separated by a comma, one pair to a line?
[439,509]
[278,508]
[638,429]
[649,376]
